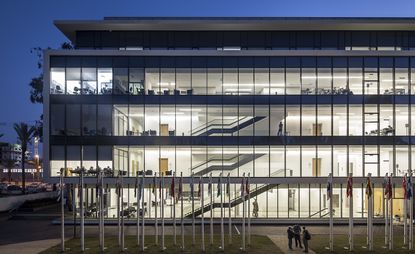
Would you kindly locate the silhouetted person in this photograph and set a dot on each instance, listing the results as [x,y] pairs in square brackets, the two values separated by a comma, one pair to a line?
[306,238]
[280,127]
[297,235]
[255,208]
[290,235]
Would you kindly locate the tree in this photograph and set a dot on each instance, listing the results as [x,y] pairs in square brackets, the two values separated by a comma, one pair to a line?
[36,84]
[9,164]
[24,135]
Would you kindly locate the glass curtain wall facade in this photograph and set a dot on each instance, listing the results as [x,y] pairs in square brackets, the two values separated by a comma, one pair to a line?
[288,121]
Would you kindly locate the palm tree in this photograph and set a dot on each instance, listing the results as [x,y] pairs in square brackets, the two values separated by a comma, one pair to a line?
[24,135]
[9,164]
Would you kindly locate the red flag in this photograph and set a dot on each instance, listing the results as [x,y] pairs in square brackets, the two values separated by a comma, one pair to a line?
[405,187]
[389,188]
[180,192]
[349,191]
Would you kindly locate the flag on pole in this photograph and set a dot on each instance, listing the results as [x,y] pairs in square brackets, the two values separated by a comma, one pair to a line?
[349,191]
[136,186]
[140,188]
[329,187]
[180,191]
[118,186]
[199,190]
[219,187]
[242,188]
[228,186]
[191,188]
[369,187]
[172,187]
[247,185]
[388,189]
[153,190]
[385,185]
[210,187]
[405,187]
[409,191]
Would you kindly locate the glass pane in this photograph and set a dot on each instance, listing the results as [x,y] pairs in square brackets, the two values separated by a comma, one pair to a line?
[57,80]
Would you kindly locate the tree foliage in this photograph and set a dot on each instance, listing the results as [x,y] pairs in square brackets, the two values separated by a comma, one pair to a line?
[36,84]
[25,134]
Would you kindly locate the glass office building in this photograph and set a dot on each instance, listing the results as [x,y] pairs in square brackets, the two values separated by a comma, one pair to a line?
[285,100]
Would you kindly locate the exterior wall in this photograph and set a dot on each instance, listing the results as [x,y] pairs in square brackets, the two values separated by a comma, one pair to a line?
[352,139]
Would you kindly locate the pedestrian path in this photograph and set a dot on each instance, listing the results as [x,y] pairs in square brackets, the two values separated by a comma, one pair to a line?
[282,242]
[32,247]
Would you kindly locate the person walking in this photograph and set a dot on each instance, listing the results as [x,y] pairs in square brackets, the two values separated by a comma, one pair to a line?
[297,235]
[255,208]
[290,235]
[280,127]
[306,238]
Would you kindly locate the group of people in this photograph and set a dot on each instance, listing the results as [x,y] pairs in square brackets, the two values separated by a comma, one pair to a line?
[296,233]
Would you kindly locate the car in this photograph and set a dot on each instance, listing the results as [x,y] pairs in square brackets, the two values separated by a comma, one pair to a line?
[12,190]
[3,186]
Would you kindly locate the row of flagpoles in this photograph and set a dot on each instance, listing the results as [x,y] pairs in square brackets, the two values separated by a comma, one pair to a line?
[388,193]
[245,195]
[158,183]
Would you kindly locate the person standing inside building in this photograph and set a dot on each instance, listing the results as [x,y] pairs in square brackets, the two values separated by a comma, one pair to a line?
[255,208]
[297,235]
[290,235]
[306,238]
[280,127]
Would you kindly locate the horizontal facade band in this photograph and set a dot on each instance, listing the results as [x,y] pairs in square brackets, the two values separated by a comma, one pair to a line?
[358,182]
[233,99]
[231,140]
[179,52]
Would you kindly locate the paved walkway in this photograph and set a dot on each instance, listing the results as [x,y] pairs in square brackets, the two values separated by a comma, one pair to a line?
[282,242]
[32,247]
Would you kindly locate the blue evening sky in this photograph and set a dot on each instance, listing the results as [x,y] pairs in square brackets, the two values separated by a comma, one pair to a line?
[29,23]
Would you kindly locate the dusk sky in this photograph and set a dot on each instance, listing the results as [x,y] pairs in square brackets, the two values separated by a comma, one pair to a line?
[28,24]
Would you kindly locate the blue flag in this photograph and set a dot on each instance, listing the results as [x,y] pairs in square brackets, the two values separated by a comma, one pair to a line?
[409,188]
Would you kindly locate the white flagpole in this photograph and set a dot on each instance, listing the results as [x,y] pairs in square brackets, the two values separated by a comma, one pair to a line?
[82,211]
[222,231]
[386,213]
[331,210]
[156,222]
[193,211]
[370,216]
[122,212]
[101,208]
[163,247]
[351,217]
[118,189]
[405,216]
[203,213]
[181,212]
[230,210]
[174,209]
[249,208]
[62,212]
[138,194]
[243,212]
[411,214]
[211,209]
[391,216]
[144,214]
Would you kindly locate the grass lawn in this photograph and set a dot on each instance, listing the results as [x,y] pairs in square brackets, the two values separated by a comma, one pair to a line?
[319,242]
[260,244]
